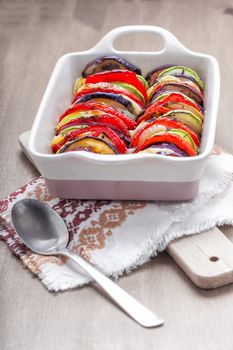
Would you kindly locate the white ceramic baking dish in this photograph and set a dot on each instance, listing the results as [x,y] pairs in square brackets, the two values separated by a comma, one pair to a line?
[130,176]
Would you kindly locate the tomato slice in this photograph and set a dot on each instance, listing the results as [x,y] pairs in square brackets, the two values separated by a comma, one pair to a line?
[124,76]
[161,107]
[151,112]
[170,138]
[60,140]
[105,88]
[94,131]
[103,120]
[90,106]
[176,97]
[169,123]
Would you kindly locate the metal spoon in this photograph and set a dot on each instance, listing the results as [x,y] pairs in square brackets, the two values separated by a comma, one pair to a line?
[44,232]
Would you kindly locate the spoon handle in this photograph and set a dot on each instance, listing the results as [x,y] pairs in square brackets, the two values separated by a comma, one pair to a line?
[130,305]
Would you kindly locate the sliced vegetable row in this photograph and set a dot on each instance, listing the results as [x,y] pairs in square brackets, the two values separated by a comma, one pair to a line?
[171,124]
[106,102]
[115,109]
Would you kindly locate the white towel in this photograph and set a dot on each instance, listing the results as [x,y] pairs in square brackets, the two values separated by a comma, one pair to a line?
[118,237]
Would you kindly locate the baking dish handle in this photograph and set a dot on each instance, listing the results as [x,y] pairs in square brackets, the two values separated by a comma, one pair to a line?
[170,41]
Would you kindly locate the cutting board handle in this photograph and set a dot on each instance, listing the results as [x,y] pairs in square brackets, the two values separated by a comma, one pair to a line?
[207,258]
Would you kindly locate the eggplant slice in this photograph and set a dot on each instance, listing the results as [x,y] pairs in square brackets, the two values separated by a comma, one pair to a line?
[107,63]
[151,76]
[182,71]
[165,149]
[179,87]
[89,144]
[113,100]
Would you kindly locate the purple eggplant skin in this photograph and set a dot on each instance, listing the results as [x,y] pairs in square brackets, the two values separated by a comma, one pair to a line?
[151,76]
[85,121]
[189,78]
[67,144]
[109,62]
[184,89]
[108,95]
[161,92]
[127,140]
[174,149]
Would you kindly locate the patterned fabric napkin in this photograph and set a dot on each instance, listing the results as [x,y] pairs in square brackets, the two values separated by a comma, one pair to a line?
[119,236]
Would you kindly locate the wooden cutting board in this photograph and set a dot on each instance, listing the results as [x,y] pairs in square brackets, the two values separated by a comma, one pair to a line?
[206,258]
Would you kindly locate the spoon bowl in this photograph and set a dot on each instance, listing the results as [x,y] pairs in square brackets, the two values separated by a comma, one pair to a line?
[39,226]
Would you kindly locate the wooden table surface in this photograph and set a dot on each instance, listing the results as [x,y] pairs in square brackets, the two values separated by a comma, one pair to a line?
[33,34]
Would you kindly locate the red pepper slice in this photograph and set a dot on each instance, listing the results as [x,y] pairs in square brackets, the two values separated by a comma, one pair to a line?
[170,138]
[162,106]
[114,91]
[176,97]
[68,137]
[95,131]
[103,120]
[124,76]
[90,106]
[169,123]
[151,112]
